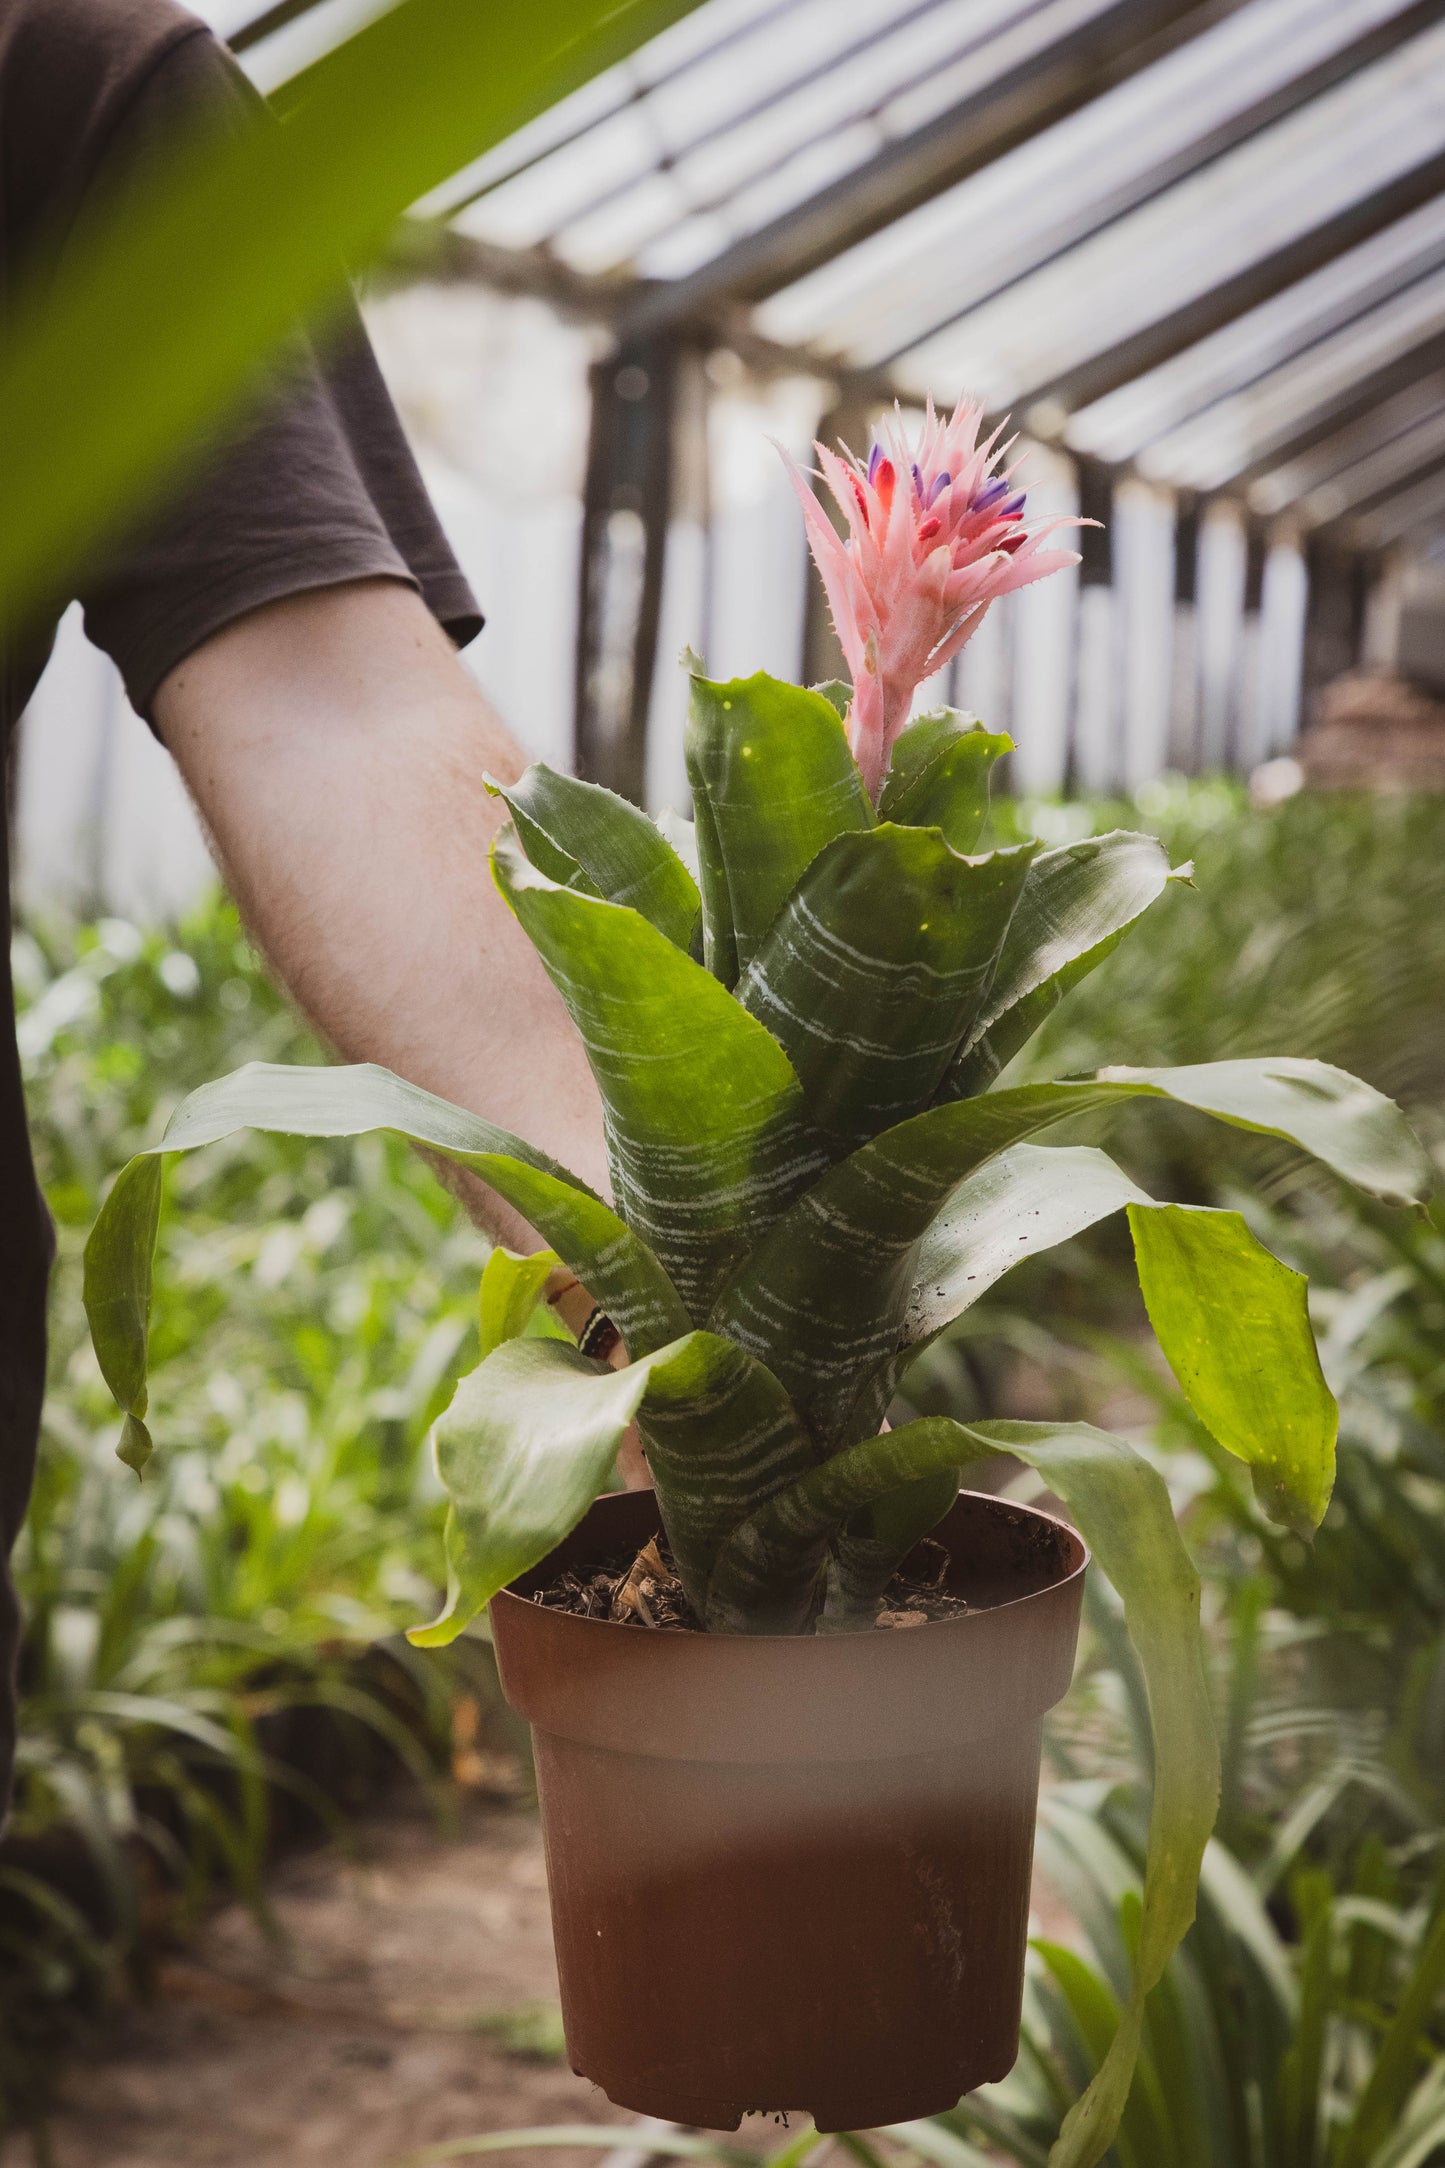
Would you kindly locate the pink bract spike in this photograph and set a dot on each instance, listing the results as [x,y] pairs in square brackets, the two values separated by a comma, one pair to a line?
[935,534]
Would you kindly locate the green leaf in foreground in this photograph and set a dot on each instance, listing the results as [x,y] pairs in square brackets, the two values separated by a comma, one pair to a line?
[156,322]
[1121,1507]
[530,1438]
[585,837]
[619,1269]
[766,800]
[510,1292]
[704,1116]
[1234,1323]
[939,775]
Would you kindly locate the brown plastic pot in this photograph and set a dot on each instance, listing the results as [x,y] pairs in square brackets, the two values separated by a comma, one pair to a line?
[793,1873]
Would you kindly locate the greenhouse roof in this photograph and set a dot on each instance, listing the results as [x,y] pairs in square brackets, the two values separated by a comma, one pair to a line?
[1203,241]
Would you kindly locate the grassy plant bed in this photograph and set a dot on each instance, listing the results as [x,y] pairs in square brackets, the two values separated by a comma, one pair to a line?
[212,1664]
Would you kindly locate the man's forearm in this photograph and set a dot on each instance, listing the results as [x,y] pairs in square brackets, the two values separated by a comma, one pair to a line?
[336,747]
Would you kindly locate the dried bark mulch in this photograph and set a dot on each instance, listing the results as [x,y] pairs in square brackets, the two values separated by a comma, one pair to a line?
[645,1591]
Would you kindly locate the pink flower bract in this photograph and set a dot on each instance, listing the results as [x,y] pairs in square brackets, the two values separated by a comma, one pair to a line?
[934,536]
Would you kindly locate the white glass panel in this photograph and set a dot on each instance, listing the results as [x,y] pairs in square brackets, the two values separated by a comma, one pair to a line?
[1117,426]
[1279,185]
[1209,451]
[962,245]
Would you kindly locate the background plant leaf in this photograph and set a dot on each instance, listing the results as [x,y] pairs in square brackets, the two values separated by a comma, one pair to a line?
[1234,1323]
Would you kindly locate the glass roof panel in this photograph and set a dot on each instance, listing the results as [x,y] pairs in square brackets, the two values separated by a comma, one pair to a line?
[1419,510]
[783,90]
[1390,466]
[297,43]
[1119,425]
[1284,484]
[1268,192]
[979,236]
[1210,450]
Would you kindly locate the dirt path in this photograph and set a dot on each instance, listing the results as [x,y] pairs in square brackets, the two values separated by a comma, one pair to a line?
[413,2000]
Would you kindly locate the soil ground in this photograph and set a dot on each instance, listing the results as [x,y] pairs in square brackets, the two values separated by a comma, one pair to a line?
[411,1999]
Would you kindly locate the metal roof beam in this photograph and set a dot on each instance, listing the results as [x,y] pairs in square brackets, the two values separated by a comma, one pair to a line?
[1210,311]
[1339,412]
[1285,485]
[274,18]
[1112,46]
[1417,510]
[1192,157]
[1389,467]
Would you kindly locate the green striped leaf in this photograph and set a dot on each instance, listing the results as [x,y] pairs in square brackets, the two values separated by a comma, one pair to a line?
[823,1298]
[939,776]
[773,781]
[588,838]
[532,1433]
[1077,904]
[874,970]
[618,1268]
[704,1116]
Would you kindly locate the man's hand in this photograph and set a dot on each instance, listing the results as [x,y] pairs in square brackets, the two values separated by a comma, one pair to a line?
[335,746]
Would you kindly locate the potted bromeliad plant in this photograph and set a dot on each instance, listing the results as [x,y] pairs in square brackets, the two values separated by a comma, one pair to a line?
[789,1841]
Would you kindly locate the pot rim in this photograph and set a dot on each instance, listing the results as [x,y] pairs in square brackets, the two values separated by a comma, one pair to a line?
[685,1637]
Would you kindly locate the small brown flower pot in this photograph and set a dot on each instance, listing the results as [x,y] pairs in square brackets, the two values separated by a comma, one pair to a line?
[794,1873]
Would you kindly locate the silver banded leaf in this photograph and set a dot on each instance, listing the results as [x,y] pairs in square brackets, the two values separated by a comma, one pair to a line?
[1121,1507]
[823,1298]
[585,837]
[704,1117]
[1030,1198]
[877,964]
[938,776]
[1076,905]
[618,1268]
[531,1435]
[773,781]
[1349,1126]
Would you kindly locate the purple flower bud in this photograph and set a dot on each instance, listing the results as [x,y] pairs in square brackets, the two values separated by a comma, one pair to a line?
[873,458]
[991,494]
[940,483]
[1012,507]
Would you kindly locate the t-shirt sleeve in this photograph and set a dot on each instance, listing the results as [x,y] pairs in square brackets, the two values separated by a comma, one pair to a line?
[315,485]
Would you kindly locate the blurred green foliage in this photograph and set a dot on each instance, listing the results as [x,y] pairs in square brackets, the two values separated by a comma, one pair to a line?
[193,1636]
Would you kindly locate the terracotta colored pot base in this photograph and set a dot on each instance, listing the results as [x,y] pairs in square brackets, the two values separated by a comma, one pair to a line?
[793,1874]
